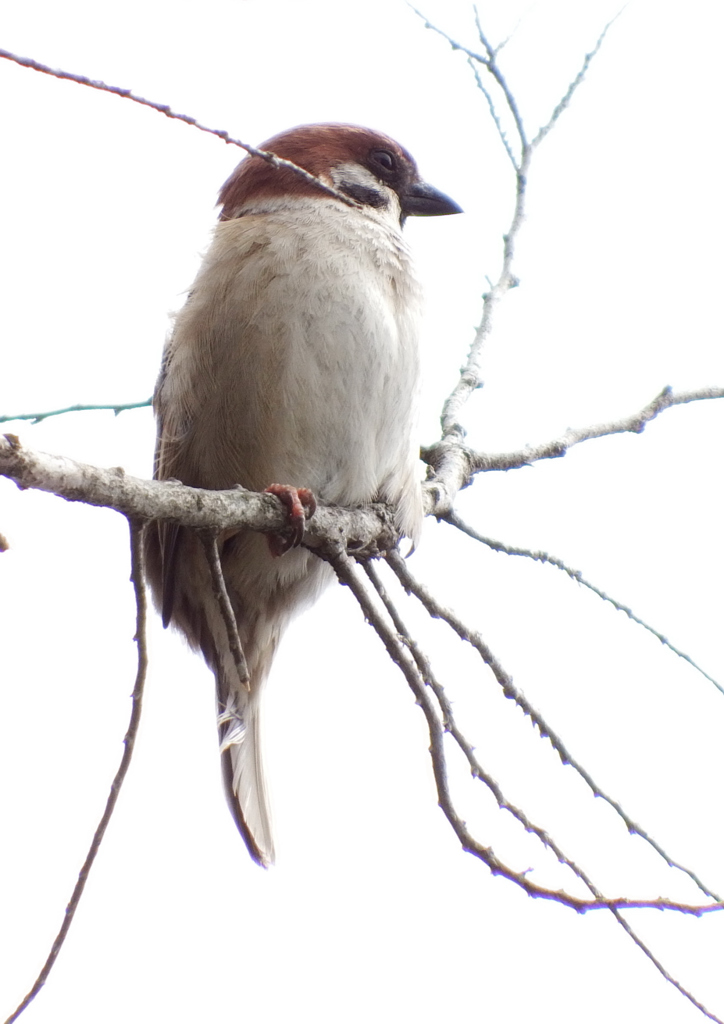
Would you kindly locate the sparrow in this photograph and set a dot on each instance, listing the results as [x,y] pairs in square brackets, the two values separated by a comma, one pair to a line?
[293,367]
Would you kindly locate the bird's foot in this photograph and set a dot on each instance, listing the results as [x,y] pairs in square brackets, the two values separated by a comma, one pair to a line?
[301,505]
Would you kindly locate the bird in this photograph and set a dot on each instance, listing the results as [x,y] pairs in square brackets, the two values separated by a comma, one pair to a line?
[292,367]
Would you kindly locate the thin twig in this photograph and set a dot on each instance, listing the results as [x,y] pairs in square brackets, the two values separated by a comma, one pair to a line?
[492,66]
[662,970]
[470,379]
[454,464]
[510,35]
[218,586]
[493,113]
[451,726]
[510,690]
[455,45]
[163,108]
[564,103]
[137,578]
[488,61]
[634,423]
[453,519]
[38,417]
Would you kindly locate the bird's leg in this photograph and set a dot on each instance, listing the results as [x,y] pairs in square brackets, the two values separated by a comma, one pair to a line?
[301,505]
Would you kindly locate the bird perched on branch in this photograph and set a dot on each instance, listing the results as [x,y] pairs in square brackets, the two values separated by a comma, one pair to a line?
[293,367]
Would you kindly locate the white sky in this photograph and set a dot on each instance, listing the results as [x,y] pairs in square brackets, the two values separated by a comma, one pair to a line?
[372,912]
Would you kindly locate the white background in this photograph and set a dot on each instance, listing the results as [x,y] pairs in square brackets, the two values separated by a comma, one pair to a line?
[372,912]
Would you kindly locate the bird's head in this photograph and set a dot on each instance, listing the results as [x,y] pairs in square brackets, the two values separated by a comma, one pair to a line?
[366,165]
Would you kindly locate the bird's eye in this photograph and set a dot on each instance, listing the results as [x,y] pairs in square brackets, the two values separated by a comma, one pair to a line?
[384,159]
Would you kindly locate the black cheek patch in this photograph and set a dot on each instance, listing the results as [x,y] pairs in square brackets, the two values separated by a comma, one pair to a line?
[363,194]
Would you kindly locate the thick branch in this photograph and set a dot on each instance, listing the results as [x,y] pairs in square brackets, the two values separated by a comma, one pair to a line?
[363,530]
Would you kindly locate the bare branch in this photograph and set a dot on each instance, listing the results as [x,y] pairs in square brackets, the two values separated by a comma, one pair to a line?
[470,375]
[511,691]
[454,464]
[488,61]
[455,45]
[632,424]
[478,772]
[510,35]
[38,417]
[662,970]
[367,530]
[400,655]
[493,113]
[162,108]
[492,66]
[137,578]
[470,378]
[574,574]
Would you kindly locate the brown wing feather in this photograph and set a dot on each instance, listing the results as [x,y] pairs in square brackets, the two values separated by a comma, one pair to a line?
[163,542]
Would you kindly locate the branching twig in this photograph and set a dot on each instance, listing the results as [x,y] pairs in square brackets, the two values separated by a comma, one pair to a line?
[632,424]
[451,453]
[511,691]
[454,464]
[478,772]
[455,45]
[451,726]
[491,65]
[574,574]
[501,45]
[368,530]
[493,113]
[129,740]
[346,572]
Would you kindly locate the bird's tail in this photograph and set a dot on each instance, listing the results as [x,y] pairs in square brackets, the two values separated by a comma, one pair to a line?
[243,773]
[272,594]
[239,725]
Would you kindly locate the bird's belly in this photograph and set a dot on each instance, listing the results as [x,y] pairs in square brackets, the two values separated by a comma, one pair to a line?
[330,405]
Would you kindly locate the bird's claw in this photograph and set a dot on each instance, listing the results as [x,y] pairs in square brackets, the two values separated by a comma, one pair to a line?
[300,505]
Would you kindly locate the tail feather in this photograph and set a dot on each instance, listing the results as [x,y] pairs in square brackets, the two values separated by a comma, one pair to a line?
[242,769]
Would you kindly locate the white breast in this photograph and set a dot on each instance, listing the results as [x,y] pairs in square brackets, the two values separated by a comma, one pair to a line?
[295,359]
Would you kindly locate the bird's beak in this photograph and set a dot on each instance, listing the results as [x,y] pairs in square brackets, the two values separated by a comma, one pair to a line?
[422,200]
